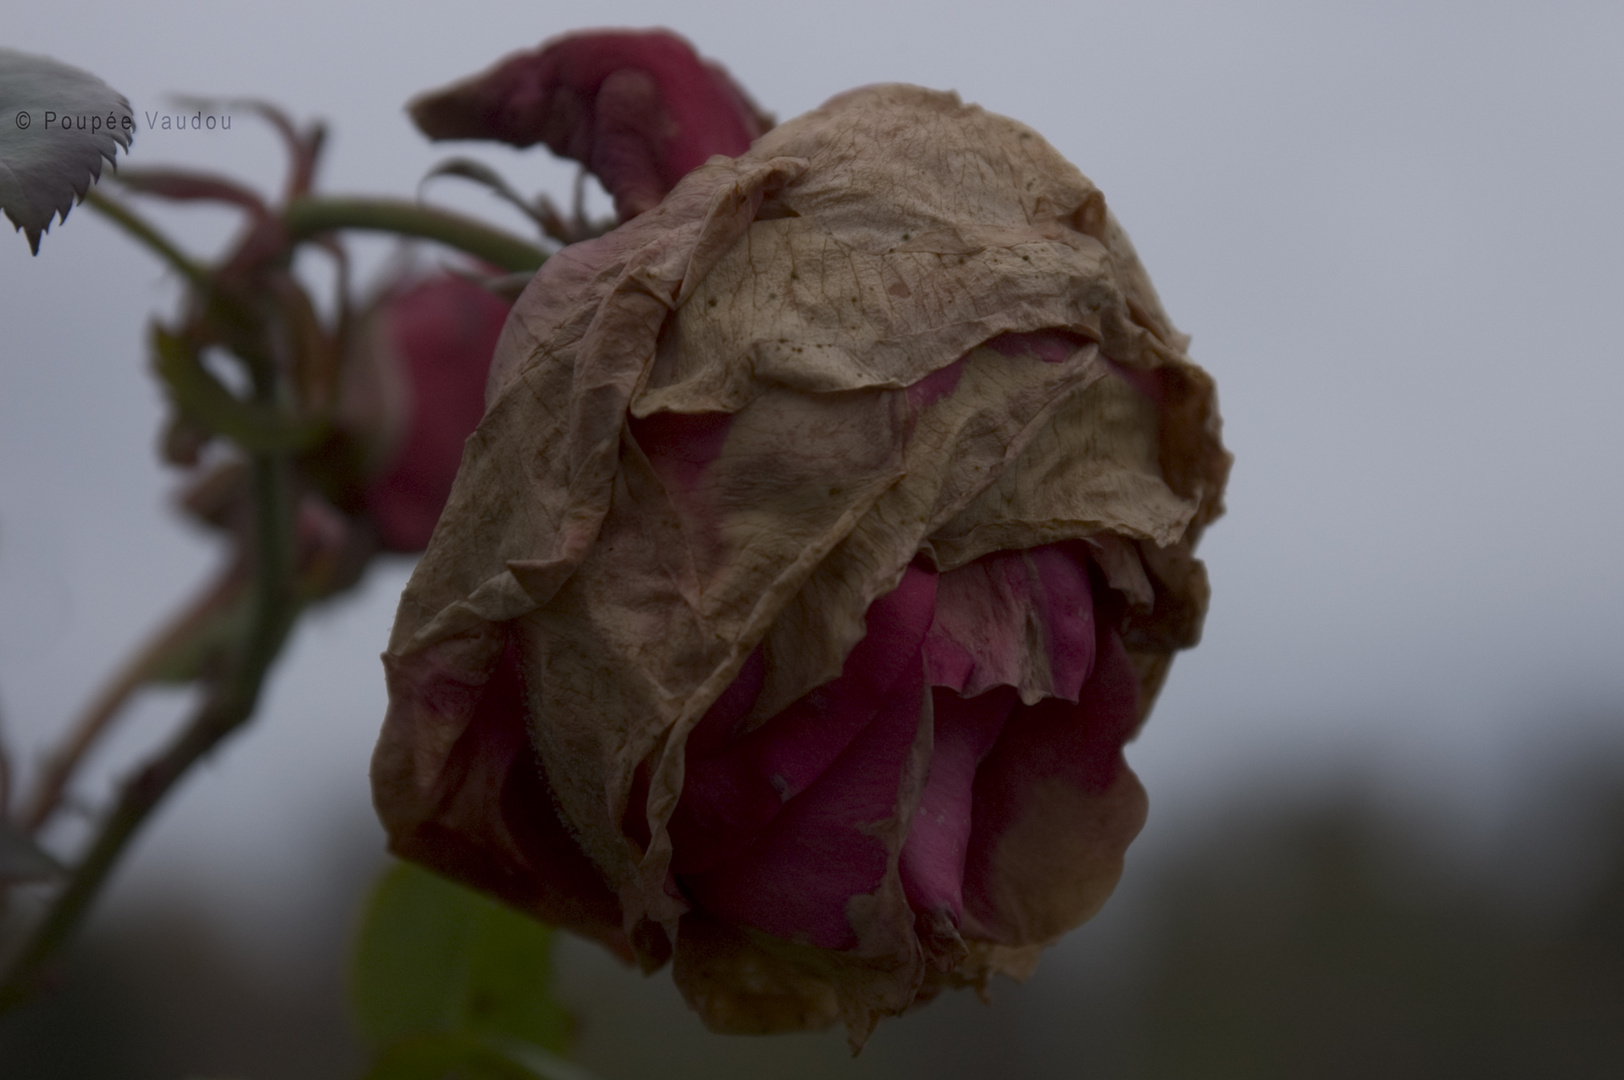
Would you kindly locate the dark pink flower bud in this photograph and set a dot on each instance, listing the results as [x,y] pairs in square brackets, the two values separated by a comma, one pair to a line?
[640,109]
[829,530]
[426,352]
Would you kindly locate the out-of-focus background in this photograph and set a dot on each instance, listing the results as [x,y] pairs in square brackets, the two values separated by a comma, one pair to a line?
[1387,828]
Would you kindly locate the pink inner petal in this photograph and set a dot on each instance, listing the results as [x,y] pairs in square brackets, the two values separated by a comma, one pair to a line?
[771,827]
[1079,745]
[820,850]
[1066,607]
[712,735]
[681,447]
[492,822]
[935,386]
[978,637]
[933,859]
[1149,383]
[730,796]
[444,332]
[1014,618]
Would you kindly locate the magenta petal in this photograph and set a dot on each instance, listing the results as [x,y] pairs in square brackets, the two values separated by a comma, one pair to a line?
[680,448]
[1055,756]
[939,836]
[978,638]
[935,386]
[1014,618]
[477,808]
[714,732]
[443,332]
[729,796]
[1065,605]
[821,849]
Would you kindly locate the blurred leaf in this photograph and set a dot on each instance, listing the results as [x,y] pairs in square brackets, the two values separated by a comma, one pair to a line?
[186,185]
[191,655]
[434,957]
[45,162]
[198,393]
[467,1057]
[22,860]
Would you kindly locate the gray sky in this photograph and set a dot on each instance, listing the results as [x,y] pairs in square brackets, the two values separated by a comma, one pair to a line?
[1394,231]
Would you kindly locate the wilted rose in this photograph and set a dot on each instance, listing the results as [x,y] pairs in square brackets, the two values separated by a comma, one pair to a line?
[828,531]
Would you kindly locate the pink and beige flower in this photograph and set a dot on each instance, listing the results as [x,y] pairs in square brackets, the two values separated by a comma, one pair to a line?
[829,530]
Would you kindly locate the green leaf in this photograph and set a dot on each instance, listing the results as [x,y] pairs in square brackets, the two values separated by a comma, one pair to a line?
[434,957]
[256,427]
[452,1056]
[57,125]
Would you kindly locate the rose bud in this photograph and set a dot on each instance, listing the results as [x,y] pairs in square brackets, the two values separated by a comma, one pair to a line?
[416,391]
[828,531]
[639,109]
[414,378]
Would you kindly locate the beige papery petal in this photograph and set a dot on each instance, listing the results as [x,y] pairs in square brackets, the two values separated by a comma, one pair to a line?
[800,289]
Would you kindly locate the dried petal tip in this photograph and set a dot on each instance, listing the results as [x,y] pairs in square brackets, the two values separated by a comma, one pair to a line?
[640,109]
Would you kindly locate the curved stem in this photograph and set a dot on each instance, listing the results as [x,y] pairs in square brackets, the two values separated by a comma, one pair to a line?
[177,635]
[147,233]
[312,216]
[232,702]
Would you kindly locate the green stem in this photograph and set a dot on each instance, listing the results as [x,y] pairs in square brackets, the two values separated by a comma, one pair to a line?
[315,215]
[137,672]
[228,707]
[148,234]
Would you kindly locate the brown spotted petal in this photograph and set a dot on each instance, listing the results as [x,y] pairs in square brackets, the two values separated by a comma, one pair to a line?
[828,532]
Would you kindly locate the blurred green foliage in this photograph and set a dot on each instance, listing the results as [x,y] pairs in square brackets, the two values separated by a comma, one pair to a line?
[449,983]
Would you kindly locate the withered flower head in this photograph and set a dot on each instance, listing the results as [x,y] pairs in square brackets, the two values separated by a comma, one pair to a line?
[828,532]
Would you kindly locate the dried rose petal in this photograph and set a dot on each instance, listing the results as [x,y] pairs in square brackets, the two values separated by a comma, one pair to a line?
[640,109]
[828,532]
